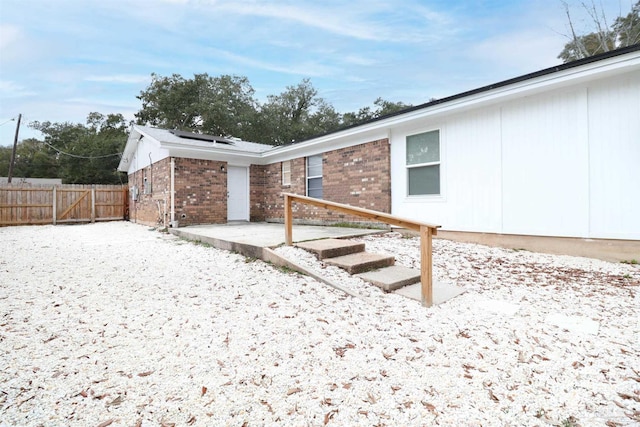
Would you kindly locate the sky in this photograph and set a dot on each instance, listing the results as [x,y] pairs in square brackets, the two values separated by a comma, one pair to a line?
[62,59]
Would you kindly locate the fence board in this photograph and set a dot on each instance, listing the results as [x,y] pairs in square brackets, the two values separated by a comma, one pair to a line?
[25,204]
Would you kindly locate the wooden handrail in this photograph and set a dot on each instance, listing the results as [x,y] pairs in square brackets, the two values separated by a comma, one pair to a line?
[427,231]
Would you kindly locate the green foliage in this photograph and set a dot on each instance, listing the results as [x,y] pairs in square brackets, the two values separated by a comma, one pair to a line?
[225,106]
[76,153]
[628,27]
[625,31]
[382,108]
[221,106]
[33,160]
[630,261]
[297,113]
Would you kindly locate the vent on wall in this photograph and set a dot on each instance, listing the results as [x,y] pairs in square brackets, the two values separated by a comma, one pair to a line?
[201,137]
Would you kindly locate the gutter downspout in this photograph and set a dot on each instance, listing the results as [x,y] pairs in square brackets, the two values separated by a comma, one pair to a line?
[173,193]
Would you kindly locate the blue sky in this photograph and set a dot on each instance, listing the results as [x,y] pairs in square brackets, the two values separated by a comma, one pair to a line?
[61,60]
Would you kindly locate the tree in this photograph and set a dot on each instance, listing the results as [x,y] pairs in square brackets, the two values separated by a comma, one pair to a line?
[296,114]
[625,31]
[221,106]
[33,160]
[226,106]
[83,154]
[628,27]
[383,108]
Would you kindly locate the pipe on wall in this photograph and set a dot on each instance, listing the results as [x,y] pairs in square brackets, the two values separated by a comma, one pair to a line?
[173,192]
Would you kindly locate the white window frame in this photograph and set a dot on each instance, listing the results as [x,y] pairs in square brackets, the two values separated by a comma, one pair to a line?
[286,172]
[310,177]
[427,164]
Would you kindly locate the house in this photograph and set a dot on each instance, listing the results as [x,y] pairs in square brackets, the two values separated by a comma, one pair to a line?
[30,181]
[551,153]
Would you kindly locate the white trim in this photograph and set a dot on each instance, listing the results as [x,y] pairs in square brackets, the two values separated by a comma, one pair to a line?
[425,197]
[379,129]
[308,177]
[282,171]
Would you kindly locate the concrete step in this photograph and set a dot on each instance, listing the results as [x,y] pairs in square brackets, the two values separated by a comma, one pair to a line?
[391,278]
[361,262]
[331,248]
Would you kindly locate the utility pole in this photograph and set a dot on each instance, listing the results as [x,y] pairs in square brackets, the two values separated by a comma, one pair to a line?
[13,153]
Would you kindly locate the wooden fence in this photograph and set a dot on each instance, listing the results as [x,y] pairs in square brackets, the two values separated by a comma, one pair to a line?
[28,205]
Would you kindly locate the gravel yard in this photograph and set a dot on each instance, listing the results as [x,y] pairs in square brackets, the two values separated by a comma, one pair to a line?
[115,324]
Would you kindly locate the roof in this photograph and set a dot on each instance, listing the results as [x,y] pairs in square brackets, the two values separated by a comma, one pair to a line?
[176,137]
[512,81]
[184,144]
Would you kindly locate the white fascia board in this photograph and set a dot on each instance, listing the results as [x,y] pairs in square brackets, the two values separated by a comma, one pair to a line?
[331,142]
[233,157]
[572,76]
[129,150]
[380,129]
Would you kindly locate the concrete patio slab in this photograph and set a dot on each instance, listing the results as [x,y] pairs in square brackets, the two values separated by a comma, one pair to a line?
[441,292]
[392,278]
[331,248]
[269,235]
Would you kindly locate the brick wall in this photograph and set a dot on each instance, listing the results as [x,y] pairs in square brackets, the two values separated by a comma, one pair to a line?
[201,193]
[152,204]
[257,179]
[358,176]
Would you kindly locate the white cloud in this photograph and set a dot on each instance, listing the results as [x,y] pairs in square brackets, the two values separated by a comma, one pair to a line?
[9,34]
[306,68]
[120,78]
[359,60]
[11,89]
[526,51]
[356,19]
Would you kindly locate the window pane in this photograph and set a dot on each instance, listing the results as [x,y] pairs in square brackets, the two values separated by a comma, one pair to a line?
[314,166]
[314,188]
[286,172]
[423,148]
[424,180]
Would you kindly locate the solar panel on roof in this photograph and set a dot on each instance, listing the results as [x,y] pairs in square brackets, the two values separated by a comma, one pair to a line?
[200,137]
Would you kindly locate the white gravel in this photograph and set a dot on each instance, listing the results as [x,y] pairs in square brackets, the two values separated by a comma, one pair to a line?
[115,324]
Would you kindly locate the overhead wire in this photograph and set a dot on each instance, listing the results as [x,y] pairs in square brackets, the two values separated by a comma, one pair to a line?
[77,156]
[10,120]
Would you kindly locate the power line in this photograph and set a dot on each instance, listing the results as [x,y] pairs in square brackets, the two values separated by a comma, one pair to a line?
[78,156]
[10,120]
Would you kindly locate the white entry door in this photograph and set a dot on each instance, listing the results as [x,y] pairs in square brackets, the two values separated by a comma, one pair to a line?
[238,193]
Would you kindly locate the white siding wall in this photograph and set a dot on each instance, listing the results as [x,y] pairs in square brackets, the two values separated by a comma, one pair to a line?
[614,136]
[545,165]
[564,163]
[144,149]
[470,173]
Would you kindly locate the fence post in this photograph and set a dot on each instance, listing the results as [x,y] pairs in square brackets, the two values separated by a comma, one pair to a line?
[93,203]
[55,205]
[125,202]
[426,271]
[288,222]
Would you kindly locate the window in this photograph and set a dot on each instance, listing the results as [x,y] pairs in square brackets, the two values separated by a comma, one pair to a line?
[146,183]
[314,176]
[286,172]
[423,163]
